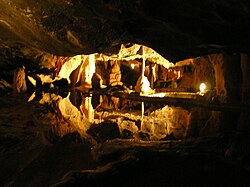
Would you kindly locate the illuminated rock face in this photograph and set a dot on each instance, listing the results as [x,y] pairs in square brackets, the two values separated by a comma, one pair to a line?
[195,71]
[143,86]
[19,82]
[217,61]
[69,66]
[86,71]
[176,29]
[114,76]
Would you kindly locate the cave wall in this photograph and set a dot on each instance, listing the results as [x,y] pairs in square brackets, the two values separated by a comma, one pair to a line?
[245,67]
[176,29]
[196,71]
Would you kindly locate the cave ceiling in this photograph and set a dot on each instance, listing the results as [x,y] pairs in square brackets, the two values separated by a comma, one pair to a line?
[177,29]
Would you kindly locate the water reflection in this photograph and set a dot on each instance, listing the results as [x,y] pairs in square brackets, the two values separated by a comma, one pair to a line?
[137,120]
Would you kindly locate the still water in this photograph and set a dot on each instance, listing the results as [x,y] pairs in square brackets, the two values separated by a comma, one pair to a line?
[78,111]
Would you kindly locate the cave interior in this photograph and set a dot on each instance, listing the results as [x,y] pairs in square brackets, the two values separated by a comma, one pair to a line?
[124,93]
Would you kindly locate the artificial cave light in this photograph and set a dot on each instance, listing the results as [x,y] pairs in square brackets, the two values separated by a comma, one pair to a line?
[133,66]
[202,87]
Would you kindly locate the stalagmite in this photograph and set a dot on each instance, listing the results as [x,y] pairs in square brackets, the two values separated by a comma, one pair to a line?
[86,71]
[143,84]
[19,82]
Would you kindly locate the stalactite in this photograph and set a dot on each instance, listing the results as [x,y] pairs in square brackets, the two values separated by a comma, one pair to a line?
[154,76]
[90,69]
[86,72]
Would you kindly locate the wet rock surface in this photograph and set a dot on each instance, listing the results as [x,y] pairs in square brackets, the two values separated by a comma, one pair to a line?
[32,151]
[106,130]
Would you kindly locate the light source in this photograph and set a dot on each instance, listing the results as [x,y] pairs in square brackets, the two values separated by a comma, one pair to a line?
[202,87]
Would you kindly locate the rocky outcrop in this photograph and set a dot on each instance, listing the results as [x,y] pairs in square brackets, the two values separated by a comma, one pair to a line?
[175,29]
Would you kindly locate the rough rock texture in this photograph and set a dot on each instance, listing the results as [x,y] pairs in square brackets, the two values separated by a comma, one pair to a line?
[175,29]
[133,163]
[36,147]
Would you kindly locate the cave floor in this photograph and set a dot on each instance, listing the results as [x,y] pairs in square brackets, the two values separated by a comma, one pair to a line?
[27,157]
[31,156]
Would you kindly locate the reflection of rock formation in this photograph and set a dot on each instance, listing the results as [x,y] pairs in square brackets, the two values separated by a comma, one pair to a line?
[156,126]
[68,118]
[87,108]
[72,115]
[166,121]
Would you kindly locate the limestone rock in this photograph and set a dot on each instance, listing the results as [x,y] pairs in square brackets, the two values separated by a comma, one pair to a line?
[106,130]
